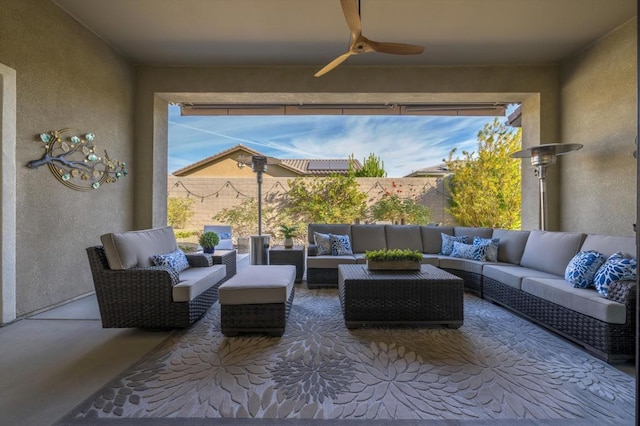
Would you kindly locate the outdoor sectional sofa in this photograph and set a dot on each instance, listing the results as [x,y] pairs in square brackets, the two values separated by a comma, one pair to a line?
[528,277]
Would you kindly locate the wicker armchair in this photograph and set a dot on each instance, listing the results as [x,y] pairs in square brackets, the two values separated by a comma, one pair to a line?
[143,296]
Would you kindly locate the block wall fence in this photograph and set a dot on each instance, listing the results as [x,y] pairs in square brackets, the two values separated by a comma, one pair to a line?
[212,195]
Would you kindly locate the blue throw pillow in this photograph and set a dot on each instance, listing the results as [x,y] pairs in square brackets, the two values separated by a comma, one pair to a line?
[175,260]
[616,268]
[224,235]
[340,245]
[583,267]
[323,243]
[467,251]
[447,243]
[491,248]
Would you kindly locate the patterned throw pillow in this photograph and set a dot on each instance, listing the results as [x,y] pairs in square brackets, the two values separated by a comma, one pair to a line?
[616,268]
[323,243]
[447,243]
[467,251]
[224,235]
[174,260]
[340,245]
[583,267]
[491,251]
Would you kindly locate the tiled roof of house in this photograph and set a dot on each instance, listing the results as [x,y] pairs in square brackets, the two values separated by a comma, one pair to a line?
[438,170]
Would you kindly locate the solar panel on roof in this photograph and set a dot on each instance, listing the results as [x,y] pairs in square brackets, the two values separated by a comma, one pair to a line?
[328,165]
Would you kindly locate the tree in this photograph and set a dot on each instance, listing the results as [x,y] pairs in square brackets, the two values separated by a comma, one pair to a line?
[243,218]
[179,211]
[400,210]
[485,187]
[332,199]
[372,166]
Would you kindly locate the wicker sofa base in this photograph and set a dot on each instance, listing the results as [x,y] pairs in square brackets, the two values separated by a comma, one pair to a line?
[270,318]
[135,301]
[472,281]
[609,342]
[322,277]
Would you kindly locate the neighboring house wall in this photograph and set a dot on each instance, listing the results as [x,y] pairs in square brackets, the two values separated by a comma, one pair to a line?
[212,195]
[598,106]
[229,168]
[226,167]
[66,77]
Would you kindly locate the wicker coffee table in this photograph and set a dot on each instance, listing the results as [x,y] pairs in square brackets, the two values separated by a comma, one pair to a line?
[430,296]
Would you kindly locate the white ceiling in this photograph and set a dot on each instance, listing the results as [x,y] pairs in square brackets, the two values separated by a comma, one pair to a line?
[313,32]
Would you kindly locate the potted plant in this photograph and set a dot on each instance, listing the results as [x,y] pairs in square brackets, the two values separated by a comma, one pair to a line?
[395,259]
[288,232]
[209,240]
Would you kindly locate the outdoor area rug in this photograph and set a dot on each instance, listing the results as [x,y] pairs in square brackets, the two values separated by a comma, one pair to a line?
[497,366]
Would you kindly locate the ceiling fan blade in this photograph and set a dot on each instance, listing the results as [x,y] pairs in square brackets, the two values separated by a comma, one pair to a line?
[395,48]
[331,65]
[351,14]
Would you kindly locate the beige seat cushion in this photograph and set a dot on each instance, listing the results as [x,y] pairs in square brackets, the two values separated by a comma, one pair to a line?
[467,265]
[325,262]
[512,275]
[258,284]
[431,259]
[195,281]
[587,301]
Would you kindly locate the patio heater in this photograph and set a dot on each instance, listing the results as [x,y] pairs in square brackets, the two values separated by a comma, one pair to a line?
[543,156]
[259,243]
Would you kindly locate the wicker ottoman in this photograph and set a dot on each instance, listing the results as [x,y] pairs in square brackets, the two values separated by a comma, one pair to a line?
[257,300]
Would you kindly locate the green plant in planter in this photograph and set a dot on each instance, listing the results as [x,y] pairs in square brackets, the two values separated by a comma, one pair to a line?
[288,232]
[209,240]
[394,254]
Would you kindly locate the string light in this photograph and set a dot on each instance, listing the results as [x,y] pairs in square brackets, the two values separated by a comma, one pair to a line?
[279,189]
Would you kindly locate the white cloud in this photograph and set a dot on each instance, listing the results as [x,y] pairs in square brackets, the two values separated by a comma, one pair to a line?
[404,143]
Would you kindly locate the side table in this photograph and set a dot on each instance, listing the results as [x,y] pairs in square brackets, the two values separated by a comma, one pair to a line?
[278,255]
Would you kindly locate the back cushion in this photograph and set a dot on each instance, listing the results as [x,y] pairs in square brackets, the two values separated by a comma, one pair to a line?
[323,228]
[511,245]
[367,237]
[608,245]
[431,238]
[550,251]
[459,231]
[135,248]
[404,237]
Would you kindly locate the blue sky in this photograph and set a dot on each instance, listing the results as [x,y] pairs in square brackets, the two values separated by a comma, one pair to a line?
[404,143]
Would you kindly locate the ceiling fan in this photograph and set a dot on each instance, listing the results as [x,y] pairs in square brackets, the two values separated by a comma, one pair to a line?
[361,44]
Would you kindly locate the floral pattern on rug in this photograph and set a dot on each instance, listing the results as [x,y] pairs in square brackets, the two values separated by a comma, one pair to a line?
[496,366]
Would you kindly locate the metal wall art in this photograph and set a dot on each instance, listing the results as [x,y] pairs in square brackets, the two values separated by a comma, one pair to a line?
[74,162]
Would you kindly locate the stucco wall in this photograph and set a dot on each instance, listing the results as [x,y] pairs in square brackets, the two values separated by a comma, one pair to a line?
[598,109]
[66,77]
